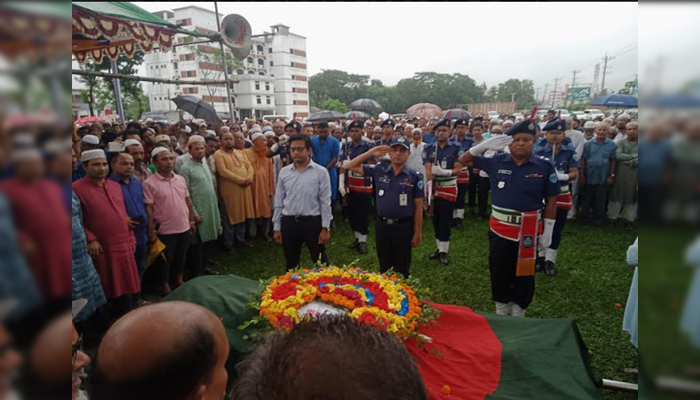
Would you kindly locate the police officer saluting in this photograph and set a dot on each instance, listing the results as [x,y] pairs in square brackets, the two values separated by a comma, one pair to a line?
[521,183]
[357,189]
[399,199]
[558,150]
[441,161]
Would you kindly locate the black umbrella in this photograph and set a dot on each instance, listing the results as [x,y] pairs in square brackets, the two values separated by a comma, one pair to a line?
[325,116]
[364,105]
[358,114]
[456,113]
[197,107]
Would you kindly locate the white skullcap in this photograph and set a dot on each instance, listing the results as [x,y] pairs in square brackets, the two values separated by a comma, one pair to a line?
[211,133]
[91,139]
[507,122]
[202,124]
[409,126]
[270,133]
[131,142]
[518,119]
[255,129]
[149,120]
[494,121]
[153,131]
[27,154]
[377,129]
[266,129]
[417,130]
[162,138]
[195,139]
[159,150]
[624,115]
[92,154]
[589,125]
[255,136]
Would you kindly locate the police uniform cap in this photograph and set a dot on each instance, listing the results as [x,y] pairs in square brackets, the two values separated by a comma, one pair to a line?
[442,122]
[462,120]
[389,122]
[400,141]
[525,126]
[555,125]
[294,124]
[356,124]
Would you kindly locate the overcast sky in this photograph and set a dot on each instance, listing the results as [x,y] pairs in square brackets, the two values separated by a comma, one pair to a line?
[490,42]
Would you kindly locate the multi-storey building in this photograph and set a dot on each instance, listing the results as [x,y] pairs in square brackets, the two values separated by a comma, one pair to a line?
[272,80]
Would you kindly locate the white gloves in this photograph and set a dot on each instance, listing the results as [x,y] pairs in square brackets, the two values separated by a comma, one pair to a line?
[546,238]
[341,185]
[494,143]
[366,139]
[275,148]
[563,177]
[437,171]
[429,191]
[283,140]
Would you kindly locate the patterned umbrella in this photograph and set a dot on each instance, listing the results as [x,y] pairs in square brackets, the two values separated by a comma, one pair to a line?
[423,110]
[87,120]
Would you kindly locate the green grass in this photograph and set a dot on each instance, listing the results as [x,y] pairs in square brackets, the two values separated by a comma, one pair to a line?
[593,278]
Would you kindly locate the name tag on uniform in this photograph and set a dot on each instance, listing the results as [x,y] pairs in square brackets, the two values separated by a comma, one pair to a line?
[505,171]
[443,164]
[403,199]
[501,184]
[384,179]
[380,193]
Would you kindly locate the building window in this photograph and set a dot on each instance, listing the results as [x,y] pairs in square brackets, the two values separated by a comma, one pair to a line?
[259,99]
[269,101]
[291,51]
[262,73]
[175,65]
[294,102]
[260,48]
[261,62]
[251,72]
[250,60]
[269,50]
[257,85]
[240,72]
[272,63]
[267,86]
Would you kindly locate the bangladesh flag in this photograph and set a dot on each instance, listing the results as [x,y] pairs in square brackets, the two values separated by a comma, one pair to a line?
[481,356]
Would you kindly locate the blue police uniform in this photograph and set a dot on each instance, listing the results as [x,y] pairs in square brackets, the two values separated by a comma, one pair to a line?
[563,160]
[395,196]
[445,188]
[463,179]
[359,197]
[515,190]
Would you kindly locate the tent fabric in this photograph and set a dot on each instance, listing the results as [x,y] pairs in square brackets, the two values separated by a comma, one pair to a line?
[484,356]
[113,28]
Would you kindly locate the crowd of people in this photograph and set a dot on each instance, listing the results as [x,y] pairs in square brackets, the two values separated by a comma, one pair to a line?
[150,201]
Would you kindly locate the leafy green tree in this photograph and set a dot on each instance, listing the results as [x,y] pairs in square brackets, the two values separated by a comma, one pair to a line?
[524,91]
[335,105]
[335,84]
[628,88]
[213,57]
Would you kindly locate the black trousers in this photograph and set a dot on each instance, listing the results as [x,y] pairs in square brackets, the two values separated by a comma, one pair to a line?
[596,198]
[559,223]
[473,182]
[484,187]
[442,219]
[176,246]
[506,287]
[394,245]
[462,189]
[650,202]
[296,233]
[359,206]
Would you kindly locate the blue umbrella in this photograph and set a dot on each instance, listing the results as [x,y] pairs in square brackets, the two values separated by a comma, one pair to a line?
[679,100]
[616,100]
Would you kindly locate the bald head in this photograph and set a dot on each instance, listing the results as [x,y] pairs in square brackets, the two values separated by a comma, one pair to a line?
[172,350]
[50,354]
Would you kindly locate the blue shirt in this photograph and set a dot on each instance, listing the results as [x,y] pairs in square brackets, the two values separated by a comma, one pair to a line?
[463,145]
[389,188]
[653,164]
[79,173]
[598,157]
[521,188]
[446,156]
[428,138]
[563,160]
[323,153]
[133,200]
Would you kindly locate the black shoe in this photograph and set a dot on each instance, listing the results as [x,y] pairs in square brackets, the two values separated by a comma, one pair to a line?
[435,255]
[453,223]
[362,248]
[354,245]
[444,260]
[549,268]
[459,224]
[539,264]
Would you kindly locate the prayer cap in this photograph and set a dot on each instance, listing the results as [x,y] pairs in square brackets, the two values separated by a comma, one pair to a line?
[91,139]
[92,154]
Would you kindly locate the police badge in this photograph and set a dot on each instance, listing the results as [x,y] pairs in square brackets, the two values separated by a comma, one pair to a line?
[528,241]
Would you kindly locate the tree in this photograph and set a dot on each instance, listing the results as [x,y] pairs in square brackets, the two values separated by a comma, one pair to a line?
[628,89]
[335,105]
[335,84]
[522,90]
[210,59]
[92,82]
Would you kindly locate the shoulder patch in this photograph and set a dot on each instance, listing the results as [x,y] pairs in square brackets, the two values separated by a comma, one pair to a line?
[420,184]
[553,178]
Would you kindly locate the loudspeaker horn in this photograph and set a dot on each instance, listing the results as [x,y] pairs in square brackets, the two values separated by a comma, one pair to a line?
[235,32]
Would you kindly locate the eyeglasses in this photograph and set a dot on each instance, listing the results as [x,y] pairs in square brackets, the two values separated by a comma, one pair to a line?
[78,346]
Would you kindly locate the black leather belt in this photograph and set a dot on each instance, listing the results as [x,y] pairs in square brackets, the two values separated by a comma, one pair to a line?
[392,221]
[301,218]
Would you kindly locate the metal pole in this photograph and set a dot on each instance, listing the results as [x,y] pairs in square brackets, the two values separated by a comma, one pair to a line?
[118,93]
[147,79]
[621,386]
[232,117]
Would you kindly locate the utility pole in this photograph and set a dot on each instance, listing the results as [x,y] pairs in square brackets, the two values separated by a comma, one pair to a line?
[537,93]
[556,83]
[512,97]
[224,65]
[573,84]
[544,94]
[605,70]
